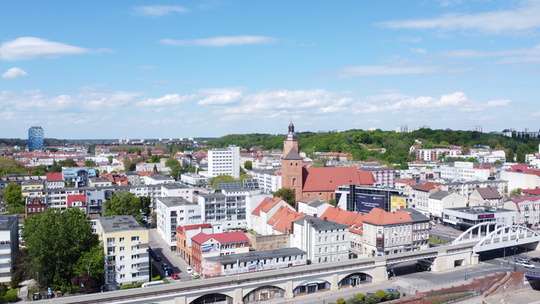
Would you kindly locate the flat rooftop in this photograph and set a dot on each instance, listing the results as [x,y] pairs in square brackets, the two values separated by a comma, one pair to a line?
[118,223]
[254,255]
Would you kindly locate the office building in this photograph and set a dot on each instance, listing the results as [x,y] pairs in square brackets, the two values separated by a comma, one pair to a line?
[35,139]
[224,162]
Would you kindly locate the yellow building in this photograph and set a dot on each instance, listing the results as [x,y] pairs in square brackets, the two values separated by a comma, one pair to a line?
[125,244]
[99,182]
[33,187]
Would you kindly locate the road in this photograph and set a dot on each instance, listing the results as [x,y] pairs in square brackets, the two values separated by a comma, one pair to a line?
[444,232]
[177,264]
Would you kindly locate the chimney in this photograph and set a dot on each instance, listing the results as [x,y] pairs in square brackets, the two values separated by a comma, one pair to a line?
[311,221]
[325,219]
[200,229]
[315,215]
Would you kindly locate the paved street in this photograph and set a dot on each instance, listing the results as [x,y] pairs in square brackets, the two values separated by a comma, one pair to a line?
[178,265]
[444,232]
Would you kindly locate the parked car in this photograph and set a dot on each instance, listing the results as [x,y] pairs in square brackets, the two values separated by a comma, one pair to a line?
[523,260]
[189,270]
[164,266]
[195,275]
[157,258]
[175,276]
[390,290]
[535,260]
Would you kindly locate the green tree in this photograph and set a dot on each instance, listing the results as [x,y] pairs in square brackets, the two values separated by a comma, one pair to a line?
[393,295]
[13,197]
[91,263]
[125,203]
[340,301]
[39,170]
[372,299]
[193,170]
[68,163]
[497,162]
[56,240]
[353,301]
[380,294]
[360,296]
[288,195]
[248,165]
[110,157]
[510,155]
[172,162]
[176,171]
[515,192]
[89,163]
[55,168]
[9,165]
[332,201]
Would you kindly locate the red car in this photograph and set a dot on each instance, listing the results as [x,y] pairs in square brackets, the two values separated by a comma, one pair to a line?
[175,276]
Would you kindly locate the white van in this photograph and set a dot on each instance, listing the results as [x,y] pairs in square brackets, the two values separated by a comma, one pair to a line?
[154,283]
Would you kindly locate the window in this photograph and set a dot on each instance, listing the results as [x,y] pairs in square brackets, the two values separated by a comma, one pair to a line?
[325,249]
[122,276]
[136,247]
[134,256]
[122,239]
[320,249]
[122,258]
[122,248]
[134,238]
[320,239]
[326,239]
[110,240]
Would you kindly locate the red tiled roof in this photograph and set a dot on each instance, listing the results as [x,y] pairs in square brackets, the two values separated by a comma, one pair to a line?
[283,218]
[257,210]
[53,177]
[330,178]
[76,198]
[489,193]
[225,237]
[427,186]
[193,227]
[271,204]
[349,218]
[380,217]
[410,182]
[533,192]
[143,173]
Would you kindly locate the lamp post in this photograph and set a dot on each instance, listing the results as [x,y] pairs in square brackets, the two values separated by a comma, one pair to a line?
[465,270]
[151,265]
[515,267]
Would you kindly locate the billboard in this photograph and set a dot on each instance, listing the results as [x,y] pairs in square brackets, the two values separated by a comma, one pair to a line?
[397,203]
[209,248]
[366,202]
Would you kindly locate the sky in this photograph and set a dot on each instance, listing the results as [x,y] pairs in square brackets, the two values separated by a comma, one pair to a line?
[171,69]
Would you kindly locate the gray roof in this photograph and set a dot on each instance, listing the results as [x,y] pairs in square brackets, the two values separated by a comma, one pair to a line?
[254,255]
[489,193]
[213,195]
[312,202]
[6,221]
[131,173]
[117,223]
[480,210]
[173,186]
[320,224]
[99,179]
[416,216]
[174,201]
[439,195]
[293,155]
[32,182]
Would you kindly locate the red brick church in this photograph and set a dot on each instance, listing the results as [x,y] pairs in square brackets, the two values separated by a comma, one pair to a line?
[318,183]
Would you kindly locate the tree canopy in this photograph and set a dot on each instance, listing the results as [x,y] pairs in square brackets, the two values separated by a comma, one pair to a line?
[9,165]
[125,203]
[13,197]
[248,165]
[220,179]
[56,241]
[288,195]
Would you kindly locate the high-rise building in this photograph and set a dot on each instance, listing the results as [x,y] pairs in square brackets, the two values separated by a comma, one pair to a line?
[476,129]
[224,162]
[35,138]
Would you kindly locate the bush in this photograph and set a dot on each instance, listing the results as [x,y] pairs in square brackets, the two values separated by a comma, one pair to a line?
[340,301]
[372,299]
[11,296]
[360,297]
[354,301]
[392,296]
[381,294]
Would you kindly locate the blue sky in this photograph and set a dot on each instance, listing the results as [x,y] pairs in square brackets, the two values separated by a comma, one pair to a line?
[148,69]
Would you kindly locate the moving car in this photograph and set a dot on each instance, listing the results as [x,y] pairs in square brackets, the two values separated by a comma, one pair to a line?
[189,270]
[175,276]
[158,258]
[195,275]
[525,264]
[165,267]
[535,260]
[523,260]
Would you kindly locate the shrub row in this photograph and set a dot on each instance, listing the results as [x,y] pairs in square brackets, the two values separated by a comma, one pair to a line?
[378,297]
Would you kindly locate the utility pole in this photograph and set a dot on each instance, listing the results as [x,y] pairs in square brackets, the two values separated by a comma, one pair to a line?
[37,275]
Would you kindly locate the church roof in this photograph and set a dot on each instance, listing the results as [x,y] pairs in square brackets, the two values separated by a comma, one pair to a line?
[330,178]
[293,155]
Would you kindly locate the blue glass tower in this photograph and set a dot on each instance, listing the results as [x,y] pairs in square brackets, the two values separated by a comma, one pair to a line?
[35,138]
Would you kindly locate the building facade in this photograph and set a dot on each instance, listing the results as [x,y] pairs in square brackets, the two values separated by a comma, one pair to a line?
[224,162]
[174,211]
[9,246]
[36,137]
[212,245]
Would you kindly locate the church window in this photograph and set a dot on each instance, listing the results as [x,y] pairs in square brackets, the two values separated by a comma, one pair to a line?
[294,181]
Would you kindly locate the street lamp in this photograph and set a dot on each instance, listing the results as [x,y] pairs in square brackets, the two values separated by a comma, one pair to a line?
[151,265]
[465,270]
[515,267]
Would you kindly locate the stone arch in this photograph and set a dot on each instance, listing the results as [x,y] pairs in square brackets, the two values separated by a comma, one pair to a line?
[356,278]
[213,298]
[264,293]
[311,286]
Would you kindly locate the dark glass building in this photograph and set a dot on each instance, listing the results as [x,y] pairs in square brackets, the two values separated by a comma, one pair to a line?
[35,138]
[347,197]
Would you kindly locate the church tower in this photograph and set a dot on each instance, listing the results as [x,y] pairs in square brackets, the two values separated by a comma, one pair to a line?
[291,164]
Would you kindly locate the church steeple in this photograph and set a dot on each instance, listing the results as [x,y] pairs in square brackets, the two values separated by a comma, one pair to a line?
[291,141]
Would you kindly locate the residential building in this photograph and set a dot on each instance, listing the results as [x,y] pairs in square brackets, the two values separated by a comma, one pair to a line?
[355,223]
[230,207]
[311,206]
[78,176]
[435,154]
[269,181]
[321,239]
[421,195]
[9,246]
[404,129]
[527,210]
[347,196]
[55,180]
[385,177]
[467,188]
[485,197]
[259,260]
[35,205]
[267,211]
[476,129]
[194,179]
[210,245]
[177,190]
[490,156]
[521,177]
[184,235]
[281,222]
[466,171]
[125,244]
[33,187]
[441,200]
[99,182]
[36,138]
[466,217]
[133,178]
[157,179]
[77,201]
[387,233]
[174,211]
[224,162]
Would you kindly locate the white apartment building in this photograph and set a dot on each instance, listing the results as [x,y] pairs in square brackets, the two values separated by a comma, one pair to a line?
[527,210]
[467,188]
[434,154]
[9,245]
[176,190]
[322,240]
[465,171]
[172,212]
[224,162]
[125,244]
[157,179]
[490,156]
[312,206]
[441,200]
[269,182]
[194,179]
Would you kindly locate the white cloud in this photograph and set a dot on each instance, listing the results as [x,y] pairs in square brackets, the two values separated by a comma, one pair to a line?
[523,19]
[221,41]
[14,73]
[158,10]
[25,48]
[511,56]
[446,3]
[418,51]
[167,100]
[359,71]
[220,96]
[396,102]
[410,39]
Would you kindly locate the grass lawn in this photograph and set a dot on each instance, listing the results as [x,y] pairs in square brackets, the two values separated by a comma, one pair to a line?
[436,240]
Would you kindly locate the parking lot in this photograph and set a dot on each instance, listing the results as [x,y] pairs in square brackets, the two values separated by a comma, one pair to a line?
[173,261]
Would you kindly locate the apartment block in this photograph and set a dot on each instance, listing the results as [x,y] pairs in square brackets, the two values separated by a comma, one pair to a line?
[224,162]
[9,245]
[172,212]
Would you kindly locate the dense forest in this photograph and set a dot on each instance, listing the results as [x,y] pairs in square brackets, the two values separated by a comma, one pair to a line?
[385,146]
[10,142]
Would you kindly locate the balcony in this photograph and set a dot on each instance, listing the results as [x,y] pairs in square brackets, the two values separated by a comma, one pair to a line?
[111,253]
[111,262]
[174,213]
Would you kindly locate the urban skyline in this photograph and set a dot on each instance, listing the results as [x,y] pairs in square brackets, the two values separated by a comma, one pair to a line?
[119,70]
